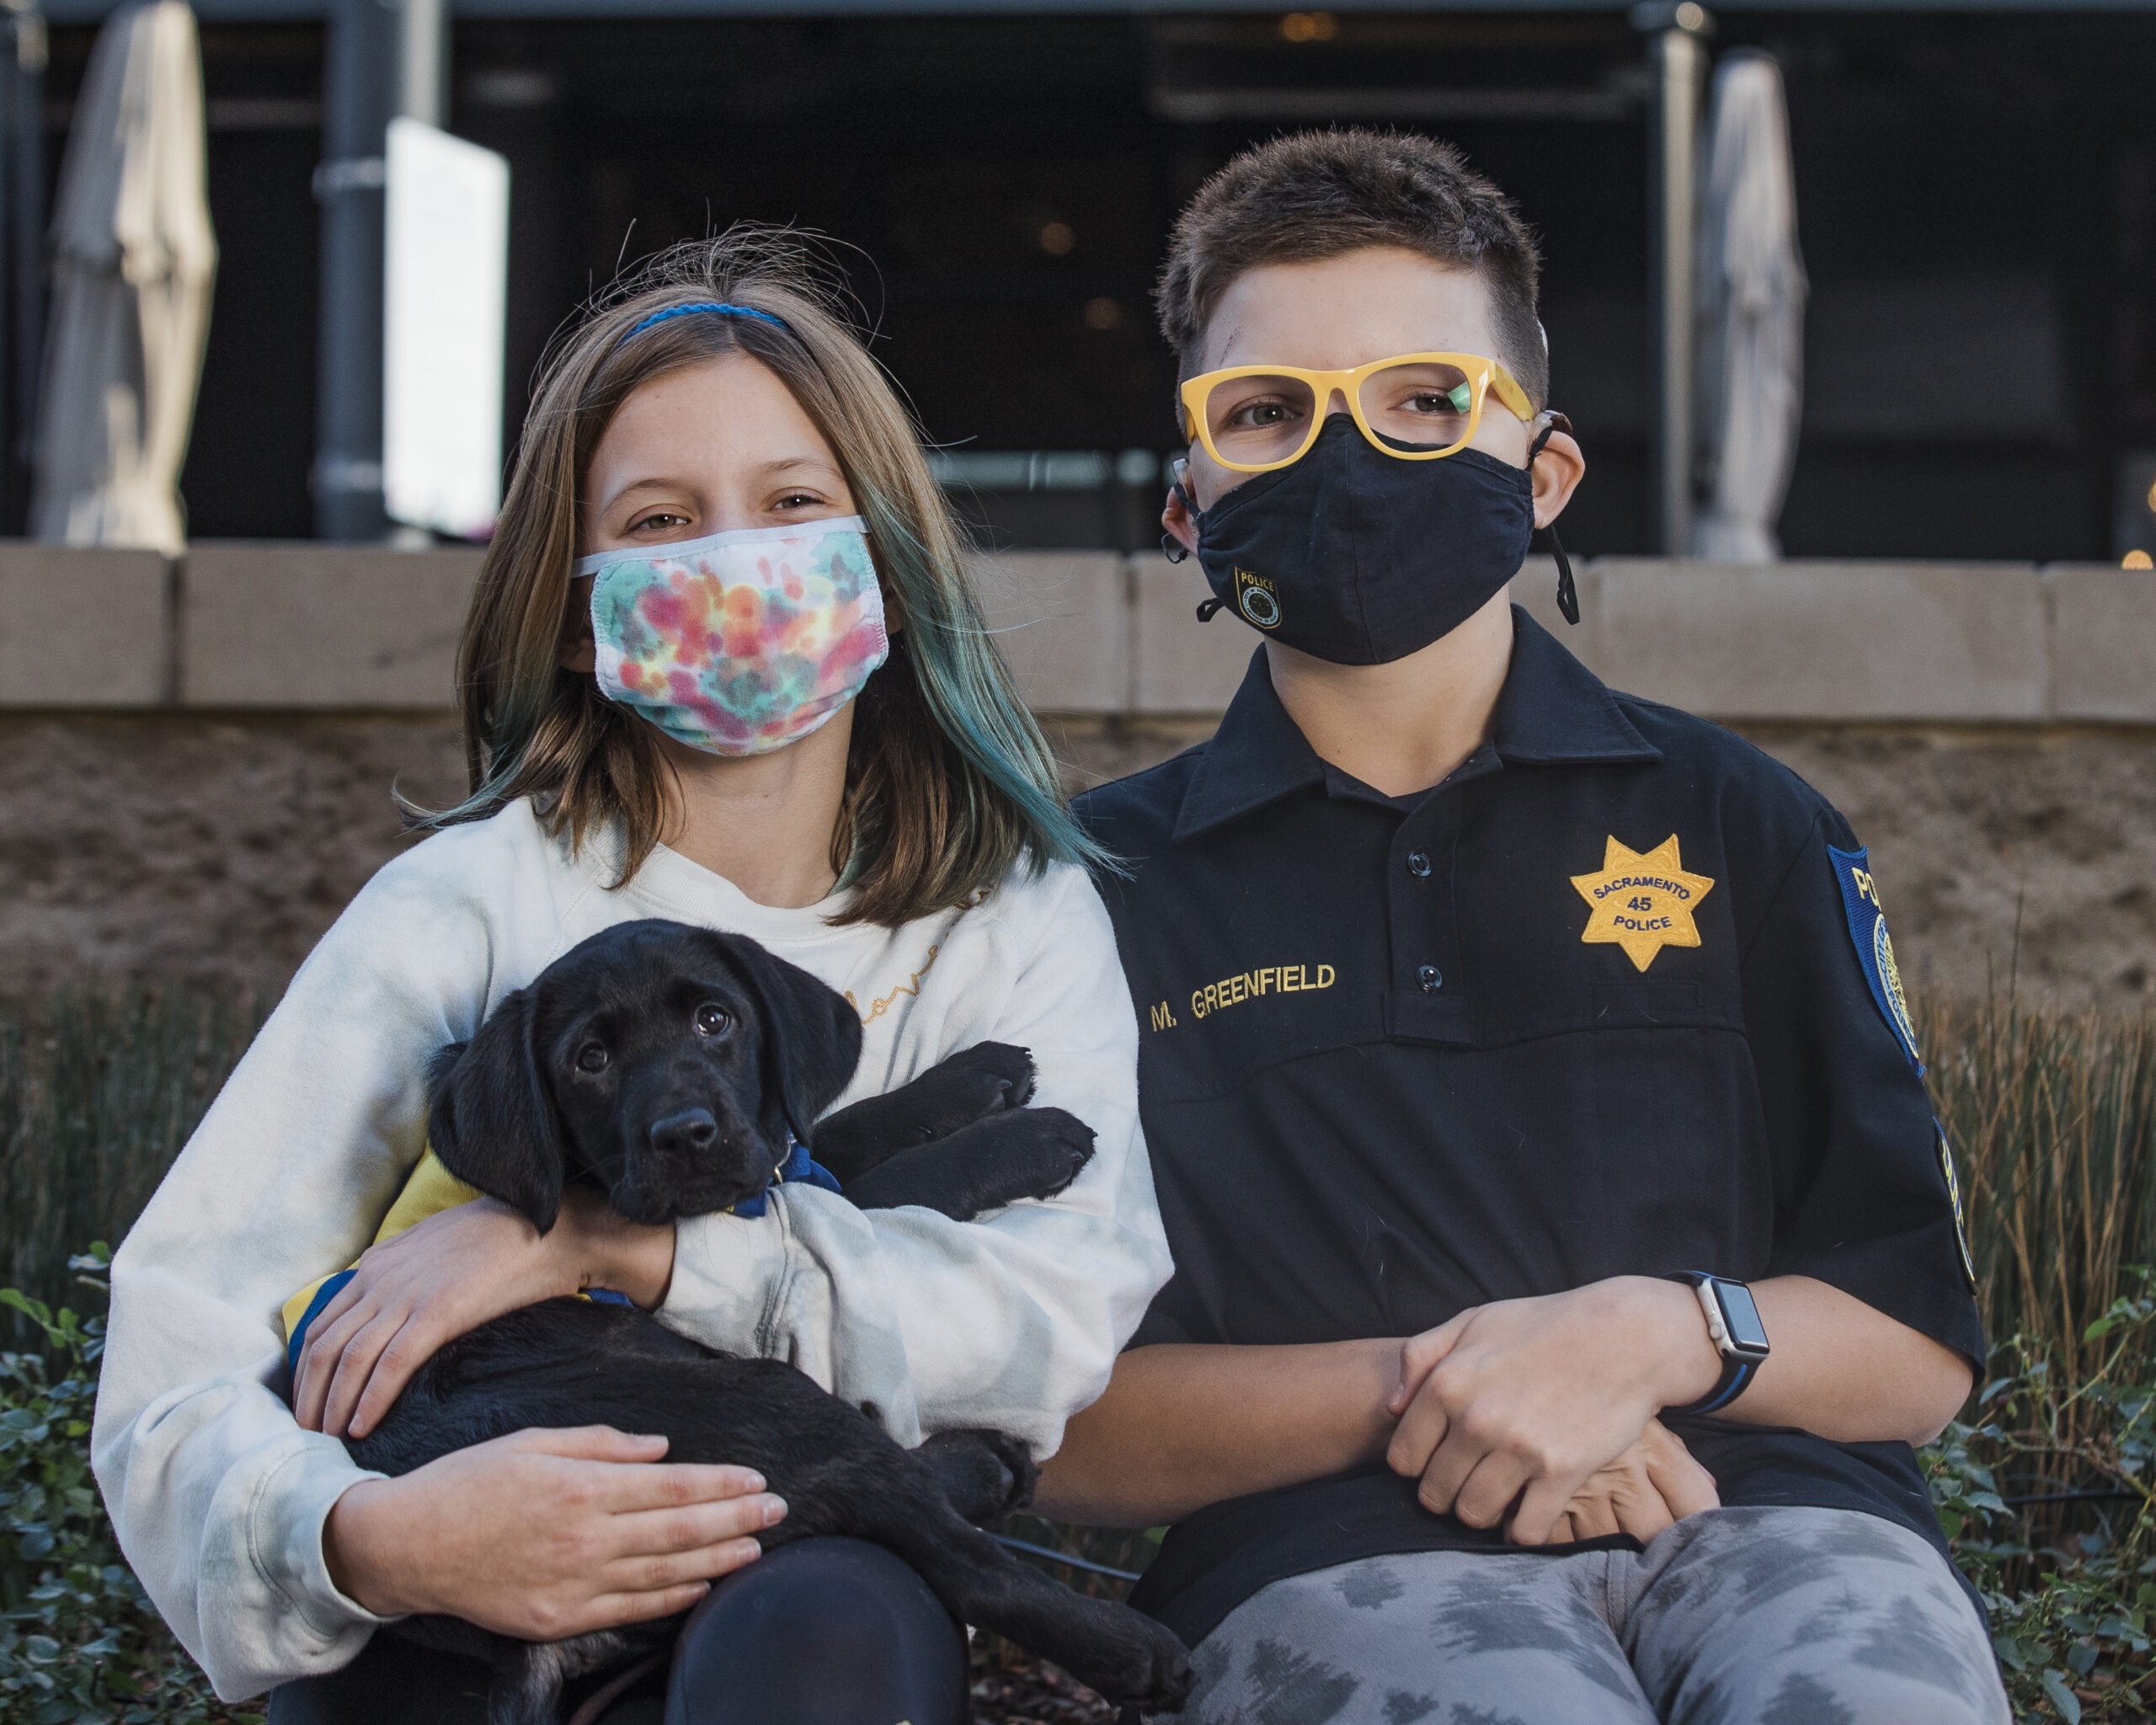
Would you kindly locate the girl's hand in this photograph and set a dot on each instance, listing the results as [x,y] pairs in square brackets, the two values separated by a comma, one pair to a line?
[449,1274]
[547,1534]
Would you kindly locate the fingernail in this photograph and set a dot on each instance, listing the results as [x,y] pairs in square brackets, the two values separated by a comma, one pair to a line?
[774,1510]
[756,1482]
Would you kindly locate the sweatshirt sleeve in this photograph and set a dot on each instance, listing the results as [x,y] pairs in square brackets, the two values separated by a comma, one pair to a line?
[1011,1322]
[218,1496]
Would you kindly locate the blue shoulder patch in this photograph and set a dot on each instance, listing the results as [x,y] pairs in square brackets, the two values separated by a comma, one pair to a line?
[1874,952]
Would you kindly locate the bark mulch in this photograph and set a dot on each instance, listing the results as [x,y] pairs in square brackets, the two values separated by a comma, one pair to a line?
[1012,1688]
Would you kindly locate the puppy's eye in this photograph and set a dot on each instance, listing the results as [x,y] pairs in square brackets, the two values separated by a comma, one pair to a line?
[592,1057]
[713,1020]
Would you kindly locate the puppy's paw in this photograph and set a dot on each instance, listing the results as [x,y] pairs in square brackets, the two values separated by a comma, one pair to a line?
[1010,1066]
[1057,1147]
[1149,1670]
[986,1475]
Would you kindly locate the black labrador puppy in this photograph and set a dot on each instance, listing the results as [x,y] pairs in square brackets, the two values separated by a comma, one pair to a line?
[674,1069]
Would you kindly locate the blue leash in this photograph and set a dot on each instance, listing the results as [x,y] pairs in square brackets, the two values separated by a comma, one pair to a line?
[1034,1550]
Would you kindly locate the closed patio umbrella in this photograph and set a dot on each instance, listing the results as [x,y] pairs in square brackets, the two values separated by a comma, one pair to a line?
[1751,315]
[134,256]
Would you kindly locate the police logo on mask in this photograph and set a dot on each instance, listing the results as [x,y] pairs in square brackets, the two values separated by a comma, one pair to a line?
[1257,598]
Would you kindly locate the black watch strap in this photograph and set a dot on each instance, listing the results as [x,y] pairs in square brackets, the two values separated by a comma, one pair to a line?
[1736,1375]
[1738,1363]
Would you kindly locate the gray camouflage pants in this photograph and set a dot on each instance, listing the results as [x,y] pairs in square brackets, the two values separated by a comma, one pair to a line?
[1749,1616]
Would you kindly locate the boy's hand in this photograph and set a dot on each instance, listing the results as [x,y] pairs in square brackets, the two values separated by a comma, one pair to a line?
[441,1278]
[547,1534]
[1507,1411]
[1653,1485]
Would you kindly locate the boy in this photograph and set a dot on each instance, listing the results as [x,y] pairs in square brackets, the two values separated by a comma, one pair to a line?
[1523,1067]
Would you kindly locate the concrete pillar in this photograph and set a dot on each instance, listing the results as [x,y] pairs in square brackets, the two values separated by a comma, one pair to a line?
[385,59]
[22,284]
[362,93]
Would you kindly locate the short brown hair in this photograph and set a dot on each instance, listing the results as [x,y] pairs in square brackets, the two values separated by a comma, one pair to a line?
[1317,194]
[949,784]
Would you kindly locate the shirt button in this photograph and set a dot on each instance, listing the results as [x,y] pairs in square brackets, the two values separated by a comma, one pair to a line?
[1431,978]
[1418,863]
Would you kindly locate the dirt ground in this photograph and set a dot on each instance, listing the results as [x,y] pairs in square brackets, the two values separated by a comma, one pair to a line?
[221,848]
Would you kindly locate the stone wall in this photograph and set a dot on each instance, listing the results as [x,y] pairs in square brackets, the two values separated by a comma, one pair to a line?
[200,798]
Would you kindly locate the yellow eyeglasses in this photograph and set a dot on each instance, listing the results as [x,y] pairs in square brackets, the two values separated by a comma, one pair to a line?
[1418,407]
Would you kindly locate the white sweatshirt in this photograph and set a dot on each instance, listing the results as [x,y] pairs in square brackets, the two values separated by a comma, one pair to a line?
[1011,1322]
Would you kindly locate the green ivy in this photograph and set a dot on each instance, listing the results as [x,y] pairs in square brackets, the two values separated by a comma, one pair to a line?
[2071,1589]
[2070,1583]
[80,1643]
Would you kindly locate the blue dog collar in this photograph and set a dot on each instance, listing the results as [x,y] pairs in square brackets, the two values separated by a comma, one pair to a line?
[798,1165]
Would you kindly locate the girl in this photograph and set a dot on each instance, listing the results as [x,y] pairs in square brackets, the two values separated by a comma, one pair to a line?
[724,665]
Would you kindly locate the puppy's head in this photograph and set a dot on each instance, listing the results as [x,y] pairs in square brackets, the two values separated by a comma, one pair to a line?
[665,1065]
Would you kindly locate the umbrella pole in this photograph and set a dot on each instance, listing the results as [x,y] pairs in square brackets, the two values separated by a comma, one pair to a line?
[423,70]
[1680,60]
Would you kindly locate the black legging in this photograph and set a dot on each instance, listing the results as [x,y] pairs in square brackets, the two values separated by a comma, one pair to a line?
[833,1631]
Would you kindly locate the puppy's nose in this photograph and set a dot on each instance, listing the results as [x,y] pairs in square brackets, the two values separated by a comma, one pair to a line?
[685,1134]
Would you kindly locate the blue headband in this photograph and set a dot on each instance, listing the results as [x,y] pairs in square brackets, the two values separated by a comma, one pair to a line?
[707,306]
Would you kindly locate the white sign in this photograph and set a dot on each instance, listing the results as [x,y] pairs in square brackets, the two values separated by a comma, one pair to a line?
[446,291]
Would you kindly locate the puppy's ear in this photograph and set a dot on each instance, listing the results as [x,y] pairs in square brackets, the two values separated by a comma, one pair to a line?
[494,1122]
[811,1035]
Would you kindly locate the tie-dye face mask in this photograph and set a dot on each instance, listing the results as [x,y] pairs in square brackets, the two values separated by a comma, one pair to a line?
[740,642]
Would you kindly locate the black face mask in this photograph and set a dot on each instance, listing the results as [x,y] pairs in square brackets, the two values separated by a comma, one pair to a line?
[1352,556]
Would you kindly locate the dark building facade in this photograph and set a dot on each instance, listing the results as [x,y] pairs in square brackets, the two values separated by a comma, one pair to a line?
[1977,195]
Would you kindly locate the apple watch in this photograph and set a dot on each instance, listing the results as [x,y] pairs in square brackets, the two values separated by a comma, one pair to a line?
[1733,1324]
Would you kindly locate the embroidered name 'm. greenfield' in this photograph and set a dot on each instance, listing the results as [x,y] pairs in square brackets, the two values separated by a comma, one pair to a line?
[1253,985]
[1641,901]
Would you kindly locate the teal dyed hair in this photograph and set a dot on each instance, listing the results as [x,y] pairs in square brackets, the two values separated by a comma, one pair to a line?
[950,783]
[967,686]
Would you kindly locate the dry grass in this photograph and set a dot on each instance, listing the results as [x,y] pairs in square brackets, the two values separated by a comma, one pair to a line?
[2052,1118]
[99,1089]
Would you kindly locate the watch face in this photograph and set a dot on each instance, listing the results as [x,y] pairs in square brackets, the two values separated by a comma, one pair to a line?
[1742,1317]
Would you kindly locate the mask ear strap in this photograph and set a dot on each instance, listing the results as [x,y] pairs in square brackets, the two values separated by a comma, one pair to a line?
[1172,547]
[1177,552]
[1568,597]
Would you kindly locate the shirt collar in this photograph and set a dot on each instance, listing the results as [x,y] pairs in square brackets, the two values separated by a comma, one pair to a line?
[1552,711]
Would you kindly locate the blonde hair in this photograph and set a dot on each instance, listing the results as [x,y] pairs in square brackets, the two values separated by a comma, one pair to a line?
[949,782]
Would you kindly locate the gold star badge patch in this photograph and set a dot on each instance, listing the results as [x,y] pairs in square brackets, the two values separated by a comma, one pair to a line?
[1642,900]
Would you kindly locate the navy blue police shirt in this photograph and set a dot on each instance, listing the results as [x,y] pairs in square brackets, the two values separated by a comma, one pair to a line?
[1615,998]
